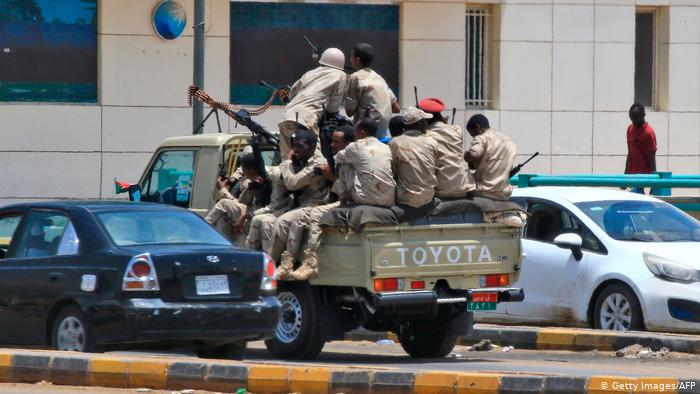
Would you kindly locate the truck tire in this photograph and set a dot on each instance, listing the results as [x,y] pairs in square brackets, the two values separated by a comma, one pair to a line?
[428,345]
[298,333]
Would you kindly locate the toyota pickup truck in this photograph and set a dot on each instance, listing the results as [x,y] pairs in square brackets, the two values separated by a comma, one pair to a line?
[420,281]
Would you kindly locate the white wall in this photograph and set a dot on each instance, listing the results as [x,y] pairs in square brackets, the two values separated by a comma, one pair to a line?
[76,151]
[565,82]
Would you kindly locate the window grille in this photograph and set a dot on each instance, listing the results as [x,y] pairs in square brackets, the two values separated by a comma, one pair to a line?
[478,94]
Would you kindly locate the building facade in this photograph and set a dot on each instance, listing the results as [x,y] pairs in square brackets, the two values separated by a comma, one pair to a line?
[558,76]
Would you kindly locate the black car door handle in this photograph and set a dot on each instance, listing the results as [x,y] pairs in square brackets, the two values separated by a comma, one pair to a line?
[55,276]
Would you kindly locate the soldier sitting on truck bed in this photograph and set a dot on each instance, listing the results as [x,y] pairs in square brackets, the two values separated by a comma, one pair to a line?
[491,155]
[340,139]
[414,161]
[229,213]
[454,180]
[262,224]
[308,186]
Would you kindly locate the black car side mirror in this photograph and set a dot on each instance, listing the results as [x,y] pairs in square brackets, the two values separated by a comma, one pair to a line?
[3,253]
[570,241]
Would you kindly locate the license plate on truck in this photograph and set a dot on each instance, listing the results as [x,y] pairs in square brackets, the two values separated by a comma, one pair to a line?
[212,284]
[482,302]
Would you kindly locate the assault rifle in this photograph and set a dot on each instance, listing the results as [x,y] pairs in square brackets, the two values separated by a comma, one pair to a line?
[520,166]
[317,51]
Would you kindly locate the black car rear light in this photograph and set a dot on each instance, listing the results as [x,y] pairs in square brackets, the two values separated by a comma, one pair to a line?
[140,274]
[269,271]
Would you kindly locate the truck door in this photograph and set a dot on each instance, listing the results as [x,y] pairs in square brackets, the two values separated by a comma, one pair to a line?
[170,178]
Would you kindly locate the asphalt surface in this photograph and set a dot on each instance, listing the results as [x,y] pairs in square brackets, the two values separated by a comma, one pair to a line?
[364,354]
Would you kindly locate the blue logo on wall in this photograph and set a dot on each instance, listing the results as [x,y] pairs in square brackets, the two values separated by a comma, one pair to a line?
[169,20]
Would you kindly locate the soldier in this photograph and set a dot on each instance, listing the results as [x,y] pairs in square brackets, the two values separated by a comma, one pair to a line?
[368,178]
[262,225]
[311,218]
[301,177]
[229,213]
[322,87]
[453,177]
[414,161]
[367,91]
[491,155]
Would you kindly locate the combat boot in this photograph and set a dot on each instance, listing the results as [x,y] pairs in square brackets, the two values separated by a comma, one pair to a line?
[286,266]
[309,267]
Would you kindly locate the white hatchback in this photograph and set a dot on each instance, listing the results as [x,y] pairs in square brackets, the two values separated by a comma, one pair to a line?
[607,259]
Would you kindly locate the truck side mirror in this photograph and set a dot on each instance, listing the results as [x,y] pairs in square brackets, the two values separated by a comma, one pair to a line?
[570,241]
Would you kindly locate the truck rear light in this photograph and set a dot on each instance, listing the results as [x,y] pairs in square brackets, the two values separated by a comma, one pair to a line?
[388,284]
[417,285]
[269,271]
[495,280]
[140,274]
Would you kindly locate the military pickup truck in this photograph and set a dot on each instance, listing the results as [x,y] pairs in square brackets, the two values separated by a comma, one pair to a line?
[420,281]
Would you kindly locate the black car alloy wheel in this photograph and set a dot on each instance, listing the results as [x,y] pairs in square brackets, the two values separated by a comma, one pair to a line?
[71,331]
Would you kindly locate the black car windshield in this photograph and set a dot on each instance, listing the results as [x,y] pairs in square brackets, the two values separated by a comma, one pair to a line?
[139,227]
[642,221]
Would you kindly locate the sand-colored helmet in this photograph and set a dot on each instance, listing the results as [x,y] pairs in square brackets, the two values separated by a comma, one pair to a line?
[333,57]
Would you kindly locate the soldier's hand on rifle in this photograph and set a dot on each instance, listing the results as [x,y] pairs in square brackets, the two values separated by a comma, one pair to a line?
[222,182]
[327,172]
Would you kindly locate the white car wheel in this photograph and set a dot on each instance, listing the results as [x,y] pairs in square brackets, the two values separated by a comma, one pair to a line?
[617,308]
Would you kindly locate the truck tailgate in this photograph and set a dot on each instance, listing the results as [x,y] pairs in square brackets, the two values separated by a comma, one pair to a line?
[458,253]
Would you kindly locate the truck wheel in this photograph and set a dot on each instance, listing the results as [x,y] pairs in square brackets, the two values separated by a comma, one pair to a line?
[297,335]
[429,345]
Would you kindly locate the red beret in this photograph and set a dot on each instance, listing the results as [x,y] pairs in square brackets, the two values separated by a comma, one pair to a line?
[431,105]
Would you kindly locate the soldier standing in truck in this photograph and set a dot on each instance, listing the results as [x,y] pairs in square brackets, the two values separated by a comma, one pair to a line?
[368,92]
[321,89]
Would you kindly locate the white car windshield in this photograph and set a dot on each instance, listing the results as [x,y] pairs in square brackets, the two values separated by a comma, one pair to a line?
[644,221]
[139,227]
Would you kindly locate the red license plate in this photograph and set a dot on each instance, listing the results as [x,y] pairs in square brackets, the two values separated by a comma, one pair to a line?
[484,297]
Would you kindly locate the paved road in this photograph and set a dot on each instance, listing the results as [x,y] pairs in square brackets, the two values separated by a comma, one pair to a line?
[371,355]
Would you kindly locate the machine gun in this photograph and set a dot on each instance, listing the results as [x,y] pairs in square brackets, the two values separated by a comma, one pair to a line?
[317,51]
[244,117]
[520,166]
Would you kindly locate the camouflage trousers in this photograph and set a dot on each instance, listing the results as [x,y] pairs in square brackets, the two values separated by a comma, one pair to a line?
[228,216]
[262,231]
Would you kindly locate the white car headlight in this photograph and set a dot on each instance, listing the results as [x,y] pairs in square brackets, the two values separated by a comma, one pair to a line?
[670,270]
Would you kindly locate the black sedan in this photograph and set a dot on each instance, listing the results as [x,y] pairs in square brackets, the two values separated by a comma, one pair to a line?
[80,275]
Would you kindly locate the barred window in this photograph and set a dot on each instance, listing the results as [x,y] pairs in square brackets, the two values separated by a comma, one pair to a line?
[478,83]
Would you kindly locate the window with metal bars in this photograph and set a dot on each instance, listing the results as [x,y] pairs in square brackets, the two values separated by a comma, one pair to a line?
[478,30]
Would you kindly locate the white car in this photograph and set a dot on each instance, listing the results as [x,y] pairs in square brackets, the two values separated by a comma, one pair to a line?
[607,259]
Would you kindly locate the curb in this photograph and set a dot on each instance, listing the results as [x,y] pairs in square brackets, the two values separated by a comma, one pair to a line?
[575,339]
[76,369]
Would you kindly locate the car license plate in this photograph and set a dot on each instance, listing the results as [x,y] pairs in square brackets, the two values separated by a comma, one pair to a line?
[481,306]
[212,284]
[485,301]
[484,297]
